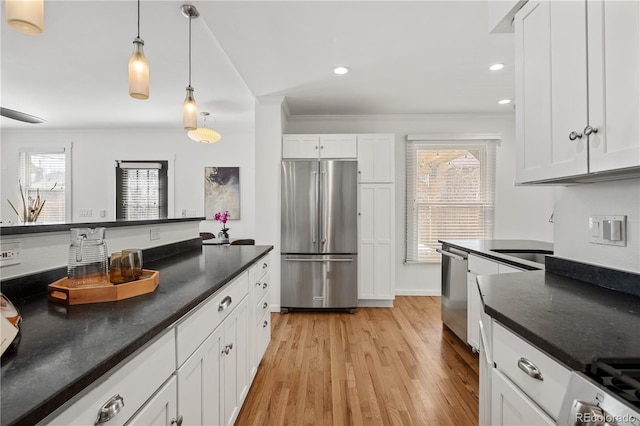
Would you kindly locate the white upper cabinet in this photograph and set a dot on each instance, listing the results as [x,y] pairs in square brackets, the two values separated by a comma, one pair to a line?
[577,90]
[614,84]
[376,158]
[319,146]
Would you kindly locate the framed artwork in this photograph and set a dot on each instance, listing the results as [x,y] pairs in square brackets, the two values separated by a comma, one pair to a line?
[222,191]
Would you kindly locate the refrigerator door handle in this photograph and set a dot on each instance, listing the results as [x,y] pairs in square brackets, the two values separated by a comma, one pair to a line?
[323,208]
[293,259]
[314,219]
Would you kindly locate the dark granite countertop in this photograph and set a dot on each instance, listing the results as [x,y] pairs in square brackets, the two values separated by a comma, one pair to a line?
[571,320]
[66,348]
[485,248]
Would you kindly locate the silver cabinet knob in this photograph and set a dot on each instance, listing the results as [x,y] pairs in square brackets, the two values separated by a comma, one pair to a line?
[574,135]
[264,305]
[265,324]
[264,285]
[264,265]
[110,409]
[588,130]
[177,421]
[258,284]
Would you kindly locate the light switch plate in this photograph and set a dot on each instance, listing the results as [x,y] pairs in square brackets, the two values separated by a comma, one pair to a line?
[608,229]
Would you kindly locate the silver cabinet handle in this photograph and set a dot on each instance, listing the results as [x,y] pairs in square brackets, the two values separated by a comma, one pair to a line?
[227,348]
[264,305]
[110,409]
[177,421]
[264,265]
[258,284]
[230,345]
[293,259]
[575,135]
[224,304]
[588,130]
[530,368]
[265,285]
[451,255]
[265,324]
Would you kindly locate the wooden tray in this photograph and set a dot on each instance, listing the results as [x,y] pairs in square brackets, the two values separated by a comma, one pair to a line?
[60,291]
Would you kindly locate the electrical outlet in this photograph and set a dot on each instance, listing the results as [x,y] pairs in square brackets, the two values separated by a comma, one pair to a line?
[10,253]
[103,213]
[86,213]
[154,234]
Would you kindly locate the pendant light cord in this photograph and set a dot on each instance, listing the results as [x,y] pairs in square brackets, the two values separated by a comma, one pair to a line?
[138,18]
[190,49]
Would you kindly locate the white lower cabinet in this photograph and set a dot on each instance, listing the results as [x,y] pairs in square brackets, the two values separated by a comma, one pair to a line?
[197,373]
[161,409]
[510,406]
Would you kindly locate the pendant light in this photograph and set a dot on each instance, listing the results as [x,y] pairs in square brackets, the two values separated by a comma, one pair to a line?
[204,134]
[25,16]
[138,68]
[189,107]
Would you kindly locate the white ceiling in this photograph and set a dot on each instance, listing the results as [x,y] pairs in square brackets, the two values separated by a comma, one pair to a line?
[410,57]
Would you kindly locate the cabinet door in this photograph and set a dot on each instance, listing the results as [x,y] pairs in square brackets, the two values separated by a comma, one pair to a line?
[376,241]
[200,383]
[376,159]
[474,306]
[338,146]
[160,410]
[300,146]
[551,99]
[509,406]
[236,361]
[614,86]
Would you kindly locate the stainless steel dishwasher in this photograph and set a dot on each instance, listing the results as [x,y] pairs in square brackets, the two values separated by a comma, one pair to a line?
[454,290]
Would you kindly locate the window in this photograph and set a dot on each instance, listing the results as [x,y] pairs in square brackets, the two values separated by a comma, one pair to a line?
[450,191]
[141,189]
[44,172]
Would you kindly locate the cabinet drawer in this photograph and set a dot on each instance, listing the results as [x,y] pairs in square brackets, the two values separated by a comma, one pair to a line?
[262,307]
[263,335]
[481,266]
[195,328]
[263,266]
[136,381]
[261,287]
[510,350]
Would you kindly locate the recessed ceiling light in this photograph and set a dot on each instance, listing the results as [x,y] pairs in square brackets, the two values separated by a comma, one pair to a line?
[341,70]
[496,67]
[504,101]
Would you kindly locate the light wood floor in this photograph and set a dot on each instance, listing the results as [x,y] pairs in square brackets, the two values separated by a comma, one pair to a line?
[380,366]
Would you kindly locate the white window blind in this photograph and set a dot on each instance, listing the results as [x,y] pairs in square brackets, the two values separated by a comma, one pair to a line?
[450,194]
[44,171]
[141,190]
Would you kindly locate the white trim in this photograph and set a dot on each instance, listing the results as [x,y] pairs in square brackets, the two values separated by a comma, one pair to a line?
[418,292]
[454,137]
[375,303]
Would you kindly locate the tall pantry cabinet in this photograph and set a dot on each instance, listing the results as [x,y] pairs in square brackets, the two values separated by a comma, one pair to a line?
[577,89]
[376,203]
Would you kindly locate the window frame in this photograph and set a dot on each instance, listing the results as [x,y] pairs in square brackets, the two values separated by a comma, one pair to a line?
[145,165]
[66,148]
[485,142]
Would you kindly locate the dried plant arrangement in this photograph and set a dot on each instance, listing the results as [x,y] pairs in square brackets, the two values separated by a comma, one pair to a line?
[31,207]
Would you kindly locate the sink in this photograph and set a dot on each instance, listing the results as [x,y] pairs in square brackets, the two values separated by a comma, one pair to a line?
[537,256]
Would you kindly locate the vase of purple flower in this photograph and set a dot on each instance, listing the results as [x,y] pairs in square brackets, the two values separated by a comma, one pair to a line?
[224,232]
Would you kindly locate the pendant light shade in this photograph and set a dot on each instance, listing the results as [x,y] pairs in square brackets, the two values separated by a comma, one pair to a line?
[204,134]
[189,107]
[138,71]
[190,111]
[138,68]
[25,16]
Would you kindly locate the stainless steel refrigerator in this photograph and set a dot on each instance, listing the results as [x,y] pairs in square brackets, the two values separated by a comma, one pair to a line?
[319,242]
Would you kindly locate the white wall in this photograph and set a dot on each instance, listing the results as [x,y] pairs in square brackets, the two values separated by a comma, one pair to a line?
[520,212]
[574,206]
[93,174]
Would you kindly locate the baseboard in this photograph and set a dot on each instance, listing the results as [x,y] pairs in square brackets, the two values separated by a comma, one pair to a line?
[417,292]
[373,303]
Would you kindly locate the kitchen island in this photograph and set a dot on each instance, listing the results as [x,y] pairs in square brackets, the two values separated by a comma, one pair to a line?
[64,350]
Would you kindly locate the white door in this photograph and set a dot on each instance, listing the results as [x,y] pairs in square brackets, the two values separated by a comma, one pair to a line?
[551,96]
[376,158]
[161,409]
[300,146]
[474,306]
[614,84]
[200,383]
[338,146]
[509,406]
[375,248]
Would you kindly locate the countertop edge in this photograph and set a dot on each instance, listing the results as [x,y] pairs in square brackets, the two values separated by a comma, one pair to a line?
[534,246]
